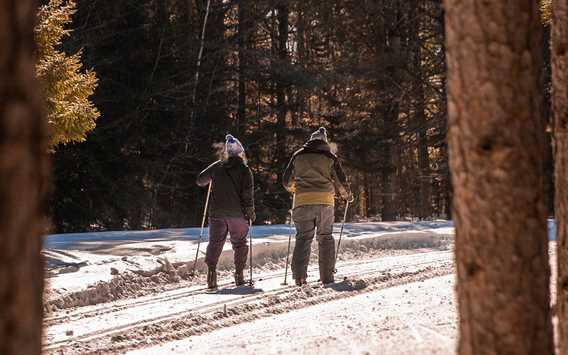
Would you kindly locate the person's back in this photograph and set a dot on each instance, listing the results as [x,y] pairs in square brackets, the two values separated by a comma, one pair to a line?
[231,192]
[313,174]
[232,203]
[316,172]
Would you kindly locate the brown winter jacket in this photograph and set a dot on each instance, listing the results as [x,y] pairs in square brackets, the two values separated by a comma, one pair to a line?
[316,172]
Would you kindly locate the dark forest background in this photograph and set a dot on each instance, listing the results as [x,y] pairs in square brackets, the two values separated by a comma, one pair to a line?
[272,71]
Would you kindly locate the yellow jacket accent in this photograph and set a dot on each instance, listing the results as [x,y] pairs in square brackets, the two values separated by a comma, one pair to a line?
[314,198]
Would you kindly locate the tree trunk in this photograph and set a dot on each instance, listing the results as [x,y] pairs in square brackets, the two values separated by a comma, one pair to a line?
[496,137]
[425,202]
[425,181]
[388,172]
[244,32]
[23,178]
[300,101]
[559,37]
[388,52]
[445,178]
[282,107]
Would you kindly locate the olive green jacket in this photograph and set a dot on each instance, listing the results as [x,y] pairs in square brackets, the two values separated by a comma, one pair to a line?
[314,173]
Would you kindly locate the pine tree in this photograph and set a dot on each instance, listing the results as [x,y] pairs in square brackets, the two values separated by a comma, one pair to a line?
[67,89]
[546,10]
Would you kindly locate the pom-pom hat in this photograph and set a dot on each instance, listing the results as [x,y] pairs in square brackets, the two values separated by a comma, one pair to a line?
[320,134]
[233,146]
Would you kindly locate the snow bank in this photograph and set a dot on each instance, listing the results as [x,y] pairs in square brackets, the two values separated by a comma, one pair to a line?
[91,268]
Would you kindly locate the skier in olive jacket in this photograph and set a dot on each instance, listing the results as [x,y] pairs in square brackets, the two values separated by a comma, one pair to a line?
[231,207]
[313,174]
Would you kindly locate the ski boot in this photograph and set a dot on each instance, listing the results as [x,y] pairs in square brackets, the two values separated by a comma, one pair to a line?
[239,278]
[328,280]
[211,278]
[301,281]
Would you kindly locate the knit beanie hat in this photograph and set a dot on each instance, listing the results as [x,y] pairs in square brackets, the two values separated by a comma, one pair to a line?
[233,147]
[320,134]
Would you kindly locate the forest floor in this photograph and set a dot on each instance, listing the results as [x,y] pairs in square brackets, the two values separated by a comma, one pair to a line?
[394,294]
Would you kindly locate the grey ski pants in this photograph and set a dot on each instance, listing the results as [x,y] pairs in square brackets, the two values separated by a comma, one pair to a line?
[312,220]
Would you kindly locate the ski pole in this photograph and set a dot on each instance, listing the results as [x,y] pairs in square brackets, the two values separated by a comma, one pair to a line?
[251,282]
[289,239]
[202,228]
[341,233]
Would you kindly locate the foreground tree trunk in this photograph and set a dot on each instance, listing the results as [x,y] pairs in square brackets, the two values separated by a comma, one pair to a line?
[496,137]
[22,181]
[559,38]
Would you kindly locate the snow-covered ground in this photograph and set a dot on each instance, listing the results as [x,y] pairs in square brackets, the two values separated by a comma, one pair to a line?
[132,292]
[113,292]
[77,260]
[158,319]
[119,292]
[416,318]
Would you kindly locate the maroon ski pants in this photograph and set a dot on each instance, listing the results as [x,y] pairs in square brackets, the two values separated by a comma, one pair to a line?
[219,227]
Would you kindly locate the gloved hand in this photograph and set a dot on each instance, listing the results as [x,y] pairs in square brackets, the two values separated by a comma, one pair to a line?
[292,188]
[346,195]
[343,193]
[249,214]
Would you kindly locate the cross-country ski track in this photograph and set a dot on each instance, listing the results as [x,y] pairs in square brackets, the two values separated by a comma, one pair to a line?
[125,325]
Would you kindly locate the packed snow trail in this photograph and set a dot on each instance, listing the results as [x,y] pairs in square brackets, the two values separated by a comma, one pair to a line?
[193,311]
[415,318]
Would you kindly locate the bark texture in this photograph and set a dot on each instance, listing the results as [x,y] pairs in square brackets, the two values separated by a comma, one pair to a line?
[496,137]
[559,39]
[22,182]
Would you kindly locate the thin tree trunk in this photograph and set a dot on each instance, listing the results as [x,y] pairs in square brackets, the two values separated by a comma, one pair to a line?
[23,176]
[446,179]
[559,37]
[425,182]
[300,104]
[388,52]
[425,203]
[282,107]
[388,172]
[496,137]
[198,64]
[244,32]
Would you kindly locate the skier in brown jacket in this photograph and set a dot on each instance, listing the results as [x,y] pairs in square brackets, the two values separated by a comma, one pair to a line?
[313,174]
[232,206]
